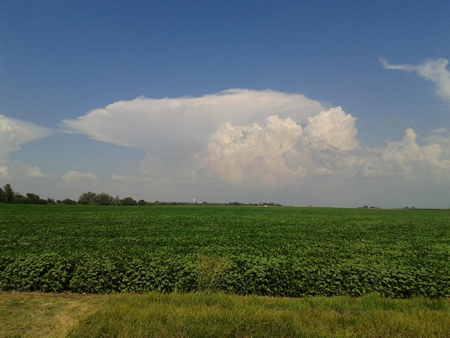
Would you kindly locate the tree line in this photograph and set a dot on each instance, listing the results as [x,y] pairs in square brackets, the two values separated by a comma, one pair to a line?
[8,195]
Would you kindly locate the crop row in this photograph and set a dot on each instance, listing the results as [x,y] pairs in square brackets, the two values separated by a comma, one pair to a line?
[241,274]
[267,251]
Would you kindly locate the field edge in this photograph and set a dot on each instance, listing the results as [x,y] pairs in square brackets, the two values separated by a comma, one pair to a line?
[219,315]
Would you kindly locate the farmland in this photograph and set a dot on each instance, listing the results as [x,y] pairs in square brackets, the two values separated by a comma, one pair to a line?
[291,252]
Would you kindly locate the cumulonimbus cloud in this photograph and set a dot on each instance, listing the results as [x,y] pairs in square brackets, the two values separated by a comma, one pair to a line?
[431,70]
[14,133]
[184,124]
[265,152]
[242,136]
[280,151]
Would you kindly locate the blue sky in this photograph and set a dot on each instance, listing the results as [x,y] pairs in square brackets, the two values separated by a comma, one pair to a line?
[62,60]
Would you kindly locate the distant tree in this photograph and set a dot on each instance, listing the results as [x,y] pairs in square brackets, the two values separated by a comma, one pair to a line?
[87,198]
[33,198]
[9,193]
[128,201]
[116,200]
[50,201]
[20,199]
[2,196]
[103,199]
[142,202]
[68,201]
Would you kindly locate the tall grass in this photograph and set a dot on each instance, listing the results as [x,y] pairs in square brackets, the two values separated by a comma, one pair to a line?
[207,314]
[221,315]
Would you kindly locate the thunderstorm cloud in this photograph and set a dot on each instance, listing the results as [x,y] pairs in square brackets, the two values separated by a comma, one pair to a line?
[182,125]
[245,137]
[281,151]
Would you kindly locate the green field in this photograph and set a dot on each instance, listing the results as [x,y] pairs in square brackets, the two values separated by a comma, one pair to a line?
[291,252]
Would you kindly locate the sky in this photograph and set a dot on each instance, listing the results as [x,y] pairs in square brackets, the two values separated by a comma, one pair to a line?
[323,103]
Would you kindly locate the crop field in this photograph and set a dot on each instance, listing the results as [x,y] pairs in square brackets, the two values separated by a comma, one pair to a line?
[275,251]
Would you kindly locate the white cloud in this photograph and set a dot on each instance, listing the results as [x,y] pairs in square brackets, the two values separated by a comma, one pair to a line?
[14,133]
[440,136]
[263,152]
[412,158]
[4,172]
[76,176]
[280,151]
[332,129]
[431,70]
[181,126]
[117,178]
[34,172]
[403,159]
[262,140]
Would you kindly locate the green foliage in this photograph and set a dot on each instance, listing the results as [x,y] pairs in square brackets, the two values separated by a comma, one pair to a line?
[9,196]
[103,199]
[68,201]
[128,201]
[20,199]
[142,203]
[35,199]
[288,252]
[210,272]
[9,193]
[87,198]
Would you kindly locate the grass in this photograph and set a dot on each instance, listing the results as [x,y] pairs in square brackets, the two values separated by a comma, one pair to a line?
[42,314]
[206,314]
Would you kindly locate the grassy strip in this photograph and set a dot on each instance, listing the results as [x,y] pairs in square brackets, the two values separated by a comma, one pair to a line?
[43,314]
[219,315]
